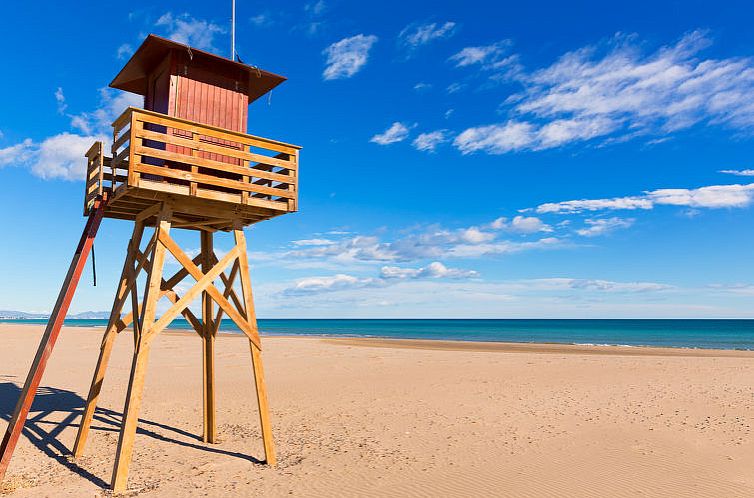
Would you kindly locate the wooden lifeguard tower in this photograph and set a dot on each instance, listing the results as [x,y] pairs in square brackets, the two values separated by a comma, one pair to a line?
[185,161]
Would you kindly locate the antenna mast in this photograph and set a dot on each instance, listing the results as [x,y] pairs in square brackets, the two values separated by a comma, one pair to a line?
[233,30]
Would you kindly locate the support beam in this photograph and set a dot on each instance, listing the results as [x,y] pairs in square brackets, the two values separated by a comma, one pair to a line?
[256,353]
[21,412]
[152,294]
[208,343]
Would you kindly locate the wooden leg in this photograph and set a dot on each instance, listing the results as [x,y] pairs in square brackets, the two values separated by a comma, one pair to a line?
[111,332]
[130,416]
[208,343]
[16,424]
[152,294]
[256,356]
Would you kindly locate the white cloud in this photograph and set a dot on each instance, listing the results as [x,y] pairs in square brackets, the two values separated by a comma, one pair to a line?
[577,206]
[185,29]
[59,156]
[738,172]
[346,57]
[615,93]
[313,242]
[112,104]
[609,286]
[528,224]
[430,243]
[713,196]
[414,36]
[421,87]
[474,235]
[429,141]
[397,132]
[16,154]
[262,20]
[315,285]
[455,88]
[124,51]
[521,224]
[60,99]
[480,55]
[432,270]
[602,226]
[496,139]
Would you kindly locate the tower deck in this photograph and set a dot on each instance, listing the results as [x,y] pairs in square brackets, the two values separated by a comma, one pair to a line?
[216,179]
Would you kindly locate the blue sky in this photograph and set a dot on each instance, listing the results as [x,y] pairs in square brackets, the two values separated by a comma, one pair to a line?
[461,159]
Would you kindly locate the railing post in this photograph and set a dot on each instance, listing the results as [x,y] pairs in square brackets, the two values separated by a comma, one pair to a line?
[133,175]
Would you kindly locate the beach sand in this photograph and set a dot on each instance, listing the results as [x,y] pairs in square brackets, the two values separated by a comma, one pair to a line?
[367,417]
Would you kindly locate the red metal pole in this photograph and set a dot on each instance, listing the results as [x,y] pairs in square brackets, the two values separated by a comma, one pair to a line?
[16,424]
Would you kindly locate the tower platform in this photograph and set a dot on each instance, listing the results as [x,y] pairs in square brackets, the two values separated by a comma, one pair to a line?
[216,179]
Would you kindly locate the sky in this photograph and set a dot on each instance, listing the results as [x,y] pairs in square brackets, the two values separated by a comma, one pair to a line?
[460,159]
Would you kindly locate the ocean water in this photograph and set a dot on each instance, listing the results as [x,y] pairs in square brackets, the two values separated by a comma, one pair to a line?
[711,334]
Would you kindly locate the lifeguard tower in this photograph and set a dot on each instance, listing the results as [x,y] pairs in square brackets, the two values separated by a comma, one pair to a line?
[185,161]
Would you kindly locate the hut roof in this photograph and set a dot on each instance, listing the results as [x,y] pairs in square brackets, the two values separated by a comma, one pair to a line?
[135,74]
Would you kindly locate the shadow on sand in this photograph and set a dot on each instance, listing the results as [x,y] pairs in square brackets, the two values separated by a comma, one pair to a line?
[44,433]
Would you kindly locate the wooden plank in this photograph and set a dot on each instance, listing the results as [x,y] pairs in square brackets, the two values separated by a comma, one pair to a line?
[29,390]
[133,159]
[208,356]
[152,294]
[256,357]
[205,178]
[203,146]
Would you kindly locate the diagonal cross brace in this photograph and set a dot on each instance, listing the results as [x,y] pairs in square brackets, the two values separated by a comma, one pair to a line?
[209,287]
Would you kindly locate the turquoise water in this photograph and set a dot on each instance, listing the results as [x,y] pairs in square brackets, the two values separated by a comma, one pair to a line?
[713,334]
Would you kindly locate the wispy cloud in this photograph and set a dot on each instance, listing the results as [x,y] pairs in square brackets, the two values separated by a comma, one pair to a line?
[397,132]
[414,36]
[602,226]
[339,282]
[346,57]
[713,196]
[125,50]
[262,20]
[432,270]
[486,54]
[615,92]
[60,99]
[430,140]
[184,28]
[738,172]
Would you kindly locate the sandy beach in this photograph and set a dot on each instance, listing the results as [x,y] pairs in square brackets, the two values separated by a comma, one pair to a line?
[368,417]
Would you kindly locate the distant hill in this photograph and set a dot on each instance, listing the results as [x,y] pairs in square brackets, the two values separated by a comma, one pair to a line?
[21,315]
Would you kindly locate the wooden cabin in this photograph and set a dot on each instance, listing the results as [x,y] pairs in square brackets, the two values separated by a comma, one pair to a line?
[190,144]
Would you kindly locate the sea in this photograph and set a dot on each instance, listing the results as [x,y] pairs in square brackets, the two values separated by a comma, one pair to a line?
[707,334]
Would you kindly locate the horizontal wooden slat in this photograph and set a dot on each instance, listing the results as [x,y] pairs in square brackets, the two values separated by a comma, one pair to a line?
[209,180]
[197,161]
[200,161]
[219,149]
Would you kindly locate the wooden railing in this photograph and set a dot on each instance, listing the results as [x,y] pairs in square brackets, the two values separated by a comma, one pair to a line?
[159,152]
